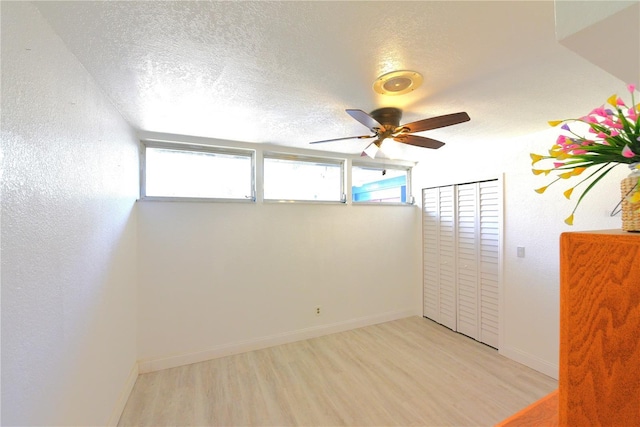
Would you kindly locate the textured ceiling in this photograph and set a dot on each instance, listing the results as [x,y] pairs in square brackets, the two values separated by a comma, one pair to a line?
[284,72]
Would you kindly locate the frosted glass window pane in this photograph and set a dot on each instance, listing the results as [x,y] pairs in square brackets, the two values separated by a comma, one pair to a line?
[197,174]
[302,180]
[379,185]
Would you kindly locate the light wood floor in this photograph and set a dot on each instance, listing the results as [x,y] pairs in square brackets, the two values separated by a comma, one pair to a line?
[406,372]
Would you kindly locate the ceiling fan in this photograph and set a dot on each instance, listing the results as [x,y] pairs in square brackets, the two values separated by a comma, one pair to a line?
[385,123]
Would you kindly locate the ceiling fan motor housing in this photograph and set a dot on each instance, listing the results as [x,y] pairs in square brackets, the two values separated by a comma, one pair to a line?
[387,116]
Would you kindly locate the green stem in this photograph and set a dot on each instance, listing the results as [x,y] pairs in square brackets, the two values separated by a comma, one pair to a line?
[595,181]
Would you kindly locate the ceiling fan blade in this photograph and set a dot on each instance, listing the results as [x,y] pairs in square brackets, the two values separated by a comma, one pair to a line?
[436,122]
[340,139]
[419,141]
[365,119]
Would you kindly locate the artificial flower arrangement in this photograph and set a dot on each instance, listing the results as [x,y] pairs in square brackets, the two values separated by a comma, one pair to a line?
[613,138]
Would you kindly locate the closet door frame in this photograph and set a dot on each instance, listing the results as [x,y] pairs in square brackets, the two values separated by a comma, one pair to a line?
[500,268]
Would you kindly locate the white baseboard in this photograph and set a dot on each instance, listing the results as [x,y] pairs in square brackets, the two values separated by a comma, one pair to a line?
[158,364]
[124,396]
[531,361]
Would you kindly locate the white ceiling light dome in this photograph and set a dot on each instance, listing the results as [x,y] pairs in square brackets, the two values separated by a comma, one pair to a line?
[397,82]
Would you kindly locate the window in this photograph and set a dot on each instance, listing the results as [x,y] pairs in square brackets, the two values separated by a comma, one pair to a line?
[182,171]
[380,184]
[173,171]
[302,178]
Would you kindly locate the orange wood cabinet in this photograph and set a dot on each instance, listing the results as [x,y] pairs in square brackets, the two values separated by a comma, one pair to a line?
[599,383]
[543,413]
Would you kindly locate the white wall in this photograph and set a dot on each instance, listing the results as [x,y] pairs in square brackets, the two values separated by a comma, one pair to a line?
[70,179]
[575,15]
[217,278]
[531,285]
[580,25]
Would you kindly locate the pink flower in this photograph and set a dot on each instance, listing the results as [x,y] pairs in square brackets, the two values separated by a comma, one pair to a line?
[631,87]
[561,140]
[602,135]
[632,114]
[579,152]
[600,111]
[614,133]
[626,152]
[558,164]
[620,102]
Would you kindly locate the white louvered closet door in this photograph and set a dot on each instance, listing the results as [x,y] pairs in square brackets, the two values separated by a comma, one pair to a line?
[447,256]
[490,213]
[461,236]
[467,260]
[431,252]
[438,225]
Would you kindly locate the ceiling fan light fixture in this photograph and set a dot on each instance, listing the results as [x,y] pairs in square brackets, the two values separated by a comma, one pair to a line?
[391,150]
[397,82]
[371,150]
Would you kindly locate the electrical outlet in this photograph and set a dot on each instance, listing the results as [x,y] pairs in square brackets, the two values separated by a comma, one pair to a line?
[318,310]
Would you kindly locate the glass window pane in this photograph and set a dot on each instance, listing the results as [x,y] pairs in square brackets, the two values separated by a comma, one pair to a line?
[198,174]
[379,185]
[302,180]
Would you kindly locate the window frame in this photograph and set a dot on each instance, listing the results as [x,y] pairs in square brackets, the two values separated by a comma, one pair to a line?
[309,159]
[377,166]
[185,147]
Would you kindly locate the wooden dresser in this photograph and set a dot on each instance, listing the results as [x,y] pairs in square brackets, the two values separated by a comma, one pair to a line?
[599,383]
